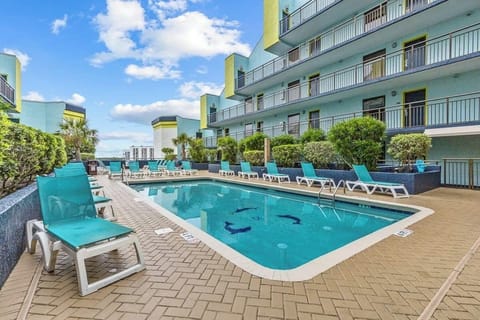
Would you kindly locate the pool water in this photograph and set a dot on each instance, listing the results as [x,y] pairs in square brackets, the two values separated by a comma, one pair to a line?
[276,229]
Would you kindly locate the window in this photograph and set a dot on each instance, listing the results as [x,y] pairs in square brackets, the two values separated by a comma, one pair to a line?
[374,107]
[260,126]
[4,76]
[294,55]
[314,46]
[375,17]
[314,85]
[414,53]
[294,90]
[294,124]
[314,119]
[285,21]
[248,129]
[213,114]
[248,105]
[374,65]
[240,79]
[260,102]
[414,108]
[227,132]
[219,133]
[412,5]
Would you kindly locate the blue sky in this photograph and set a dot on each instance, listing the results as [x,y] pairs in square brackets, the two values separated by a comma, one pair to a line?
[127,61]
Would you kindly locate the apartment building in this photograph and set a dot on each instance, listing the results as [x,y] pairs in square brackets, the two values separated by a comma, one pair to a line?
[10,85]
[413,64]
[135,153]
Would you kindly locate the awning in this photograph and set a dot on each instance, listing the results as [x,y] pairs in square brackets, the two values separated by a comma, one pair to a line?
[453,131]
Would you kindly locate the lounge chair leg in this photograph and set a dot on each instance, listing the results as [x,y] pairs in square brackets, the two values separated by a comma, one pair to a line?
[49,249]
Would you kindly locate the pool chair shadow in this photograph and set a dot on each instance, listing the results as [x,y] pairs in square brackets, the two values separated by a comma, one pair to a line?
[246,170]
[70,223]
[367,184]
[310,177]
[273,174]
[225,169]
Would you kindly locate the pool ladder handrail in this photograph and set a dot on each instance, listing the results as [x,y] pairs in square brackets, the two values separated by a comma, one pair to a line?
[341,182]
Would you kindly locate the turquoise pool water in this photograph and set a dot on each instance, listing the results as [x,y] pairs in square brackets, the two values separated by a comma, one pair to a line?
[276,229]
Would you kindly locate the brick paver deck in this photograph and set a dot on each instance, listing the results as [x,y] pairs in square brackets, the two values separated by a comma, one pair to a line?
[396,278]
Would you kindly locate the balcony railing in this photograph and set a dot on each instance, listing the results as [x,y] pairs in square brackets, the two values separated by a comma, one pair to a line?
[438,50]
[443,112]
[7,91]
[347,30]
[302,14]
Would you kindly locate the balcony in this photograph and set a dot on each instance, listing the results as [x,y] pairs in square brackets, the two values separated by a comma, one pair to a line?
[367,22]
[424,61]
[7,92]
[452,111]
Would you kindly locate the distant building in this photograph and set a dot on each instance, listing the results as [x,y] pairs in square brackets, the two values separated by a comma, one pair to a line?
[167,128]
[140,153]
[48,115]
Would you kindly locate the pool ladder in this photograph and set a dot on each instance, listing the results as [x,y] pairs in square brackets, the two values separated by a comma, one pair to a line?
[332,200]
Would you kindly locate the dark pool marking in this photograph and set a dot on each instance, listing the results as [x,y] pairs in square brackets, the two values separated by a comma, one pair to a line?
[287,216]
[228,227]
[244,209]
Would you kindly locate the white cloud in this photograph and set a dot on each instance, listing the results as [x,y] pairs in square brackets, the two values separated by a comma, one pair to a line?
[77,99]
[152,72]
[194,90]
[145,114]
[58,24]
[202,70]
[22,57]
[174,34]
[126,135]
[33,96]
[115,28]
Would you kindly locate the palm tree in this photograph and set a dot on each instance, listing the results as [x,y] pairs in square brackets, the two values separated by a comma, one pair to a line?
[182,140]
[78,136]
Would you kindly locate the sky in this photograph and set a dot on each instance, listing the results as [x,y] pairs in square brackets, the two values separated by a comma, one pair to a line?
[127,61]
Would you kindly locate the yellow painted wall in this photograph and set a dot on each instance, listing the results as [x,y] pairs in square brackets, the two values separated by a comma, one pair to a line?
[203,112]
[18,86]
[230,76]
[67,114]
[165,124]
[271,23]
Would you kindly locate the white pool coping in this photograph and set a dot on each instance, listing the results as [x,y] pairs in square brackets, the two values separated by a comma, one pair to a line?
[307,270]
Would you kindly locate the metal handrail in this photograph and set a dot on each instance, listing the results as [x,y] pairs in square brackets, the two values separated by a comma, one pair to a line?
[336,189]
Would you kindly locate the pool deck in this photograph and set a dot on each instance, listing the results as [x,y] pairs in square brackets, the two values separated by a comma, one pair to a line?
[432,274]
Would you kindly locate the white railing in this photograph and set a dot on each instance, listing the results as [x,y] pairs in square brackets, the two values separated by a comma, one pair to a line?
[453,110]
[7,91]
[459,43]
[341,33]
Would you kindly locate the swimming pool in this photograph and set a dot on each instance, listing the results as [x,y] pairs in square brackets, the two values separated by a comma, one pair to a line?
[275,229]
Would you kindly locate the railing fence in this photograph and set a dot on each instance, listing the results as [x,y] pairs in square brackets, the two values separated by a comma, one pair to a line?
[461,173]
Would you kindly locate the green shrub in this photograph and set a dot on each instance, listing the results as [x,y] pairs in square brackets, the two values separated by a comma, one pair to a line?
[359,140]
[282,140]
[197,150]
[228,147]
[87,156]
[60,152]
[407,148]
[169,153]
[312,135]
[319,153]
[287,155]
[255,157]
[254,142]
[211,154]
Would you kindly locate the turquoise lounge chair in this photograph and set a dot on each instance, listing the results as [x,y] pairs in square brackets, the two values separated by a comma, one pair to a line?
[70,223]
[421,165]
[115,169]
[225,169]
[367,184]
[187,168]
[153,168]
[171,169]
[310,176]
[134,169]
[246,170]
[273,174]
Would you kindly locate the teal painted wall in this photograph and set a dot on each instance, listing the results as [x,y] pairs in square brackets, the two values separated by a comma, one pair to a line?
[188,126]
[45,116]
[455,147]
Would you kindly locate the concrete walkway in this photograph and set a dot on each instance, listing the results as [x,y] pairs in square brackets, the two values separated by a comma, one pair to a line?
[433,273]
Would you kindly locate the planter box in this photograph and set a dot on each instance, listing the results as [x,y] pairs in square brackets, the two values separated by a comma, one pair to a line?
[15,210]
[414,182]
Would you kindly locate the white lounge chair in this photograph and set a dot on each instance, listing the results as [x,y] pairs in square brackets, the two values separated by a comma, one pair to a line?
[273,174]
[310,177]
